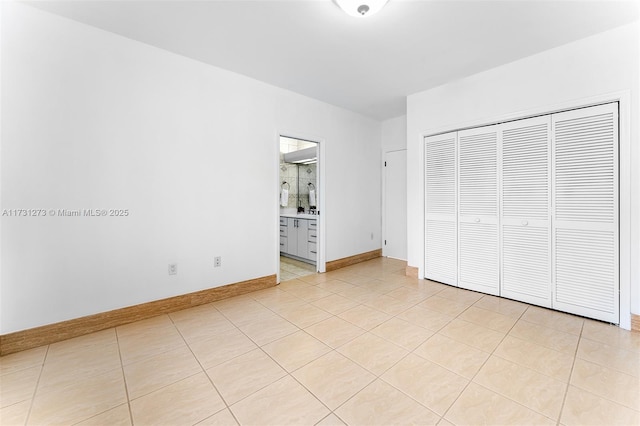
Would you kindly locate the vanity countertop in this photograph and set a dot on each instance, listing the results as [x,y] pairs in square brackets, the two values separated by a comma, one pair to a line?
[300,216]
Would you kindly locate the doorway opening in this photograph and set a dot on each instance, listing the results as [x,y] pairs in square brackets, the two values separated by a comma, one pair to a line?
[299,204]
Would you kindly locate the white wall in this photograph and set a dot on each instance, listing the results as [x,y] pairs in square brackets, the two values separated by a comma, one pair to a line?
[94,120]
[598,65]
[394,134]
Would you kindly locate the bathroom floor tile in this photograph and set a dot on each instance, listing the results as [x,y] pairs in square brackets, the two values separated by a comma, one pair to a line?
[472,334]
[618,359]
[488,319]
[334,331]
[119,416]
[18,386]
[228,344]
[185,402]
[64,368]
[547,361]
[244,375]
[335,304]
[431,385]
[607,383]
[304,315]
[79,401]
[523,385]
[553,319]
[364,317]
[480,406]
[426,318]
[22,360]
[158,371]
[269,329]
[372,352]
[331,420]
[381,404]
[141,344]
[502,306]
[361,345]
[221,418]
[553,339]
[333,378]
[15,414]
[443,305]
[584,408]
[402,333]
[284,402]
[458,357]
[295,350]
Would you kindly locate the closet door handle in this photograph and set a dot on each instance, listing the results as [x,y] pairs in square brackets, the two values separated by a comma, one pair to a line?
[476,220]
[525,223]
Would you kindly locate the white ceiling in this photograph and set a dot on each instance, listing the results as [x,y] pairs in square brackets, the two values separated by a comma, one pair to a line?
[365,65]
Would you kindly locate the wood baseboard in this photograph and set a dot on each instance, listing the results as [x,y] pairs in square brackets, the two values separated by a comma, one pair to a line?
[352,260]
[635,322]
[47,334]
[411,271]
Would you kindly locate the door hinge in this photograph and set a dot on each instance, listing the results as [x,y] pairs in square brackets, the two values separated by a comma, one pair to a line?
[385,164]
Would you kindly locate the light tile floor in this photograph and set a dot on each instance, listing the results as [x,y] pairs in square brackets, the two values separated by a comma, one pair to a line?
[363,345]
[291,269]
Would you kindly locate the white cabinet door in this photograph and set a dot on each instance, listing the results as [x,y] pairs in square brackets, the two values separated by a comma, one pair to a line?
[525,210]
[440,209]
[585,208]
[478,247]
[302,237]
[292,236]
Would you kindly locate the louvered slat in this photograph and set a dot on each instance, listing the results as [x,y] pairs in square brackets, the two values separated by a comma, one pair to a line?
[479,257]
[585,269]
[478,173]
[478,245]
[585,201]
[526,265]
[441,237]
[440,159]
[441,251]
[525,207]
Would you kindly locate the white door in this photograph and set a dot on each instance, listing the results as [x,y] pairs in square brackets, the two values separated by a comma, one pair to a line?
[585,208]
[526,210]
[302,229]
[395,208]
[478,246]
[441,241]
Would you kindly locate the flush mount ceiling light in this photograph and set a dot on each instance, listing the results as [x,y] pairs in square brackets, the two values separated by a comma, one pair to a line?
[361,8]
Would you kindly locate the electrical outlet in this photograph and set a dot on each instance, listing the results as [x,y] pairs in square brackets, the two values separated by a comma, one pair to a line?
[217,261]
[173,268]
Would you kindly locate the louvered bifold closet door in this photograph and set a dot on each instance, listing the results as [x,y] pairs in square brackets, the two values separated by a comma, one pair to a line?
[478,255]
[440,208]
[526,210]
[585,206]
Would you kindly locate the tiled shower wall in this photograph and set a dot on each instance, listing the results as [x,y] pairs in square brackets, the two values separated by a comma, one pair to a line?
[297,175]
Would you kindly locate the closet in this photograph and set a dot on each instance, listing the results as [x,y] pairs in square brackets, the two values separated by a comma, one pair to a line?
[528,210]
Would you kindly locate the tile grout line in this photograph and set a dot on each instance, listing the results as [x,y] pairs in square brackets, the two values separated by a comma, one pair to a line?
[35,389]
[124,377]
[203,370]
[566,390]
[483,364]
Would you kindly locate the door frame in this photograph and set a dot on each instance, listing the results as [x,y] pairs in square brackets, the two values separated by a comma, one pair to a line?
[384,198]
[320,187]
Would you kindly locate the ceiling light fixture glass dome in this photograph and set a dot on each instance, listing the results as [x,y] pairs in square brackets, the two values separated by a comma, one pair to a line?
[361,8]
